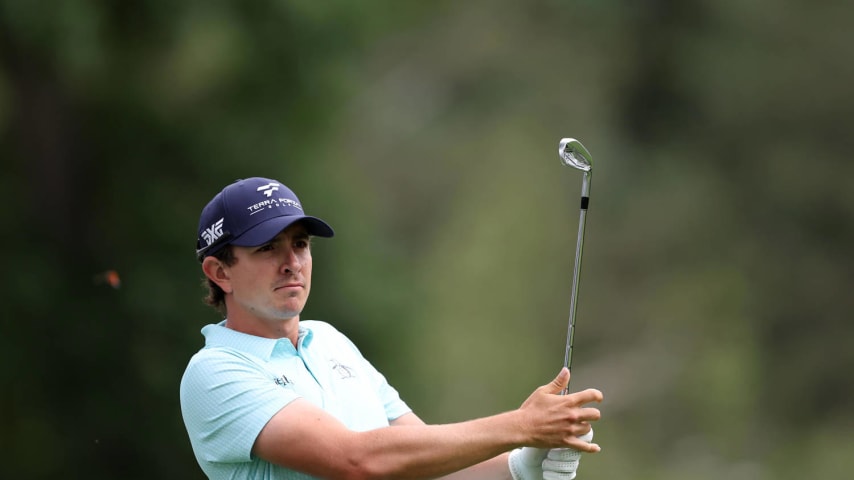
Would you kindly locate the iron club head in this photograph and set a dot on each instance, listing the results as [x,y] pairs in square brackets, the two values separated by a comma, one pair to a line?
[573,154]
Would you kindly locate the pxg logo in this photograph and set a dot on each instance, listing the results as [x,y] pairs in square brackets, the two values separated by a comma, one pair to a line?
[212,233]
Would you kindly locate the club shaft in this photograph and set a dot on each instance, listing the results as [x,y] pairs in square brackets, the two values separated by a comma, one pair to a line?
[576,272]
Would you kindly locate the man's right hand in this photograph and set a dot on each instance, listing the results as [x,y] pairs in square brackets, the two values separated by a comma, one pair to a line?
[560,420]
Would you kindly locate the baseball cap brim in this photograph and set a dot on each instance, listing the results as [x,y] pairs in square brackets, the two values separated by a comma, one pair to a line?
[265,231]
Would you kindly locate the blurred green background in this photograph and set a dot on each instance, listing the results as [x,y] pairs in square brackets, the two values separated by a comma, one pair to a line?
[715,306]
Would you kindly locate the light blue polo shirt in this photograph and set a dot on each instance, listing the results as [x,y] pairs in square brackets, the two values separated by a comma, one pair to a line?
[235,384]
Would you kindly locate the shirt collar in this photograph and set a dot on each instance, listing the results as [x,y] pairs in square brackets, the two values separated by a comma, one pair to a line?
[218,335]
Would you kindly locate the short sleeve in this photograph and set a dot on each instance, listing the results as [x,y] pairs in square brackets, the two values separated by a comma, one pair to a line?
[226,400]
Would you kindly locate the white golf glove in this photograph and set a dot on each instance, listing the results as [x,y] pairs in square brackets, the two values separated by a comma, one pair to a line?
[562,463]
[527,463]
[530,463]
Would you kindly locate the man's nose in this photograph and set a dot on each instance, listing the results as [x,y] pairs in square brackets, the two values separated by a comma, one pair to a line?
[291,262]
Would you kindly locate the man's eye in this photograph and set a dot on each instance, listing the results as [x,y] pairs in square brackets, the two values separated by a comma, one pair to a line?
[266,248]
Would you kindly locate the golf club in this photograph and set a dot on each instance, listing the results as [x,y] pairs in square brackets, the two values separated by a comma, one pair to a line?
[573,154]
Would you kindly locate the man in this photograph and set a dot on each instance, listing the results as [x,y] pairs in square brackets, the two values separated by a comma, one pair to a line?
[273,397]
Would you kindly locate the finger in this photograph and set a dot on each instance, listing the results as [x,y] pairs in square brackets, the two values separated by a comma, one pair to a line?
[560,382]
[586,396]
[576,444]
[584,415]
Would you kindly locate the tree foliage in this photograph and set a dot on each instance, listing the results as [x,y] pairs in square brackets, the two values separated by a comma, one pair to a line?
[714,311]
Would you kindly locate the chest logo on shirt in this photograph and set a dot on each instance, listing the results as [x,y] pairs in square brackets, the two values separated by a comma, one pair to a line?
[283,381]
[342,370]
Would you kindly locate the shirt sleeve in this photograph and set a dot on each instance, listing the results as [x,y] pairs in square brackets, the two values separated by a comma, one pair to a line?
[226,399]
[394,406]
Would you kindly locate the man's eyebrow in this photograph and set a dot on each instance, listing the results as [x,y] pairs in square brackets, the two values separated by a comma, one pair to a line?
[301,236]
[297,234]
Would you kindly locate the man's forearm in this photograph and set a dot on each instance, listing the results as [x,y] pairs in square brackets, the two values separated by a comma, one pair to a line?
[428,451]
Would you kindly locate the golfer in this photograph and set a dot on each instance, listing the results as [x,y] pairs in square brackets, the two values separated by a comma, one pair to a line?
[271,396]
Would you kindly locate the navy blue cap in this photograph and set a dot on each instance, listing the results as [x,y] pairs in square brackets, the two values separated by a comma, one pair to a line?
[249,213]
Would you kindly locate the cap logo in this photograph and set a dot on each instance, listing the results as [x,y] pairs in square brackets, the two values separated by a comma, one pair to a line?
[273,202]
[212,233]
[268,189]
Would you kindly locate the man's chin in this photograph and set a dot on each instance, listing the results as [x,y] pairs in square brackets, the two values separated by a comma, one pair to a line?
[286,313]
[277,314]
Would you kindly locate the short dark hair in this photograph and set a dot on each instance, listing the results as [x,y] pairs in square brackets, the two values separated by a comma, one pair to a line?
[216,296]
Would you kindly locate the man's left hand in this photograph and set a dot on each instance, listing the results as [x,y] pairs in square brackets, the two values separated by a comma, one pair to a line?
[562,463]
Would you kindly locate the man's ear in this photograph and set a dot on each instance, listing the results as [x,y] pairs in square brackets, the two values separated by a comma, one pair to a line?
[216,271]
